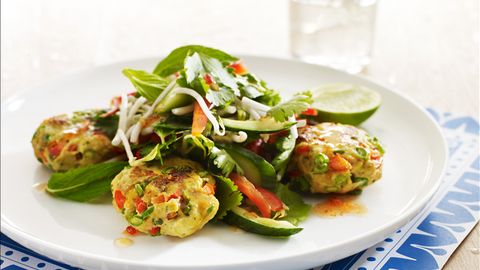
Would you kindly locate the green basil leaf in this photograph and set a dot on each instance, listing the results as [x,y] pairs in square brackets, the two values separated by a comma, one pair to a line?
[175,60]
[147,84]
[85,183]
[298,210]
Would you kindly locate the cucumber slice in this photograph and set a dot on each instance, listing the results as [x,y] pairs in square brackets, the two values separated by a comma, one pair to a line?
[173,101]
[265,125]
[251,222]
[255,168]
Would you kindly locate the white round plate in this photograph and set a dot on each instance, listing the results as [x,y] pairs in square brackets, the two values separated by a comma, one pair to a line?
[83,234]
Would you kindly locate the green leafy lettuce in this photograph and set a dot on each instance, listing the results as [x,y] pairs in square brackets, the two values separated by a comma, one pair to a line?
[86,183]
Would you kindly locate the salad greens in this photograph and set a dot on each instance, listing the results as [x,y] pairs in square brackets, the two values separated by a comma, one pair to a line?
[228,196]
[296,105]
[175,60]
[202,104]
[147,84]
[297,209]
[86,183]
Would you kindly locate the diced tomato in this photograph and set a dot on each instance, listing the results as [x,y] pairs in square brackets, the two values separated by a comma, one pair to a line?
[249,190]
[154,230]
[255,146]
[275,203]
[131,230]
[175,195]
[338,163]
[172,215]
[141,206]
[209,189]
[208,78]
[159,199]
[54,149]
[177,74]
[72,147]
[375,155]
[119,198]
[302,149]
[238,68]
[310,112]
[132,94]
[200,120]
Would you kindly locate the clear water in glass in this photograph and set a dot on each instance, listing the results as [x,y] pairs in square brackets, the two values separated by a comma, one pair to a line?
[336,33]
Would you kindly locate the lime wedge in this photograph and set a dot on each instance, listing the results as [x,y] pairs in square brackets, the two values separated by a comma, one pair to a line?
[345,103]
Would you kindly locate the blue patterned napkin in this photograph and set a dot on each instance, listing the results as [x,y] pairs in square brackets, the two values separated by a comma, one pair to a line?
[426,242]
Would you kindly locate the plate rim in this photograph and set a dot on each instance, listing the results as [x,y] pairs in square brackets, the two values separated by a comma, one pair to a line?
[53,250]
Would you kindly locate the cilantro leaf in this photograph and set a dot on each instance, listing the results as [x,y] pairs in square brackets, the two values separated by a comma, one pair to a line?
[297,104]
[221,161]
[224,96]
[147,84]
[196,147]
[227,194]
[175,60]
[197,65]
[270,97]
[193,67]
[86,183]
[298,210]
[219,73]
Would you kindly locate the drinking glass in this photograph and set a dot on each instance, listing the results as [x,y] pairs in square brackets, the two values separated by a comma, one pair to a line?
[336,33]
